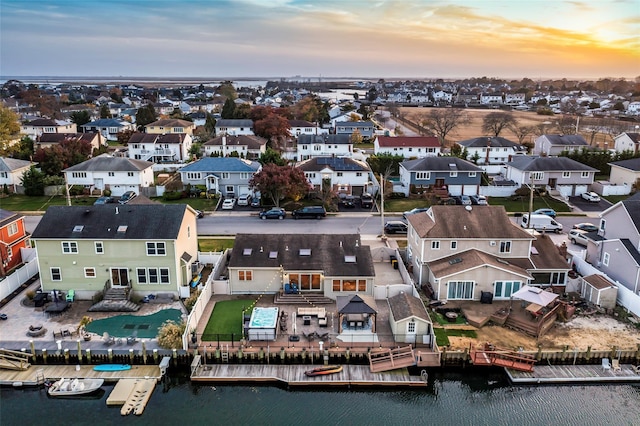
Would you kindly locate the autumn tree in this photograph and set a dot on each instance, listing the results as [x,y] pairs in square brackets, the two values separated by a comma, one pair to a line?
[270,124]
[48,105]
[23,150]
[443,121]
[80,117]
[9,127]
[124,136]
[495,122]
[278,182]
[310,108]
[54,159]
[146,115]
[356,137]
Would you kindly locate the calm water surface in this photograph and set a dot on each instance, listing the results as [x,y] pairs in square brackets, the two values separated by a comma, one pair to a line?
[451,399]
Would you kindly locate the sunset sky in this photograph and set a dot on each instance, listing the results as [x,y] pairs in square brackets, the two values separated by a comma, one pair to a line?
[328,38]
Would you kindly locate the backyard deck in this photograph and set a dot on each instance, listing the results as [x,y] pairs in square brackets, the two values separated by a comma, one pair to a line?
[545,374]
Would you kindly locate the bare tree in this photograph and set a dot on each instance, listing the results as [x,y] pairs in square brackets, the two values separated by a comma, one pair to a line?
[521,132]
[566,125]
[442,121]
[496,122]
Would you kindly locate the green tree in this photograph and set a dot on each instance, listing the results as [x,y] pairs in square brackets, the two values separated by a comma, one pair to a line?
[228,109]
[9,127]
[146,115]
[80,117]
[227,90]
[278,182]
[385,163]
[33,182]
[104,111]
[271,156]
[23,150]
[210,125]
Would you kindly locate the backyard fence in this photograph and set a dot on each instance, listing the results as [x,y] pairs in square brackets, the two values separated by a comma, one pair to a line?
[21,275]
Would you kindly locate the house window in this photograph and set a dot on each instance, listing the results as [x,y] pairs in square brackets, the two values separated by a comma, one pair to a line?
[164,276]
[56,274]
[504,289]
[460,290]
[423,175]
[435,245]
[603,225]
[111,174]
[339,174]
[411,327]
[244,176]
[584,175]
[225,175]
[156,249]
[69,247]
[337,285]
[193,176]
[142,275]
[605,259]
[306,281]
[245,275]
[153,276]
[310,175]
[472,174]
[359,174]
[505,246]
[178,130]
[454,245]
[536,175]
[317,147]
[566,175]
[362,285]
[99,245]
[453,174]
[348,285]
[89,272]
[79,174]
[188,232]
[4,175]
[130,174]
[12,229]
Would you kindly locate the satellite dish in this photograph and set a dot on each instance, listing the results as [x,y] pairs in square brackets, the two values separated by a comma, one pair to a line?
[468,208]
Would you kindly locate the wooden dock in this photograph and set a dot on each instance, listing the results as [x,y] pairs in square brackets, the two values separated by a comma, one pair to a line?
[293,375]
[29,377]
[543,374]
[391,359]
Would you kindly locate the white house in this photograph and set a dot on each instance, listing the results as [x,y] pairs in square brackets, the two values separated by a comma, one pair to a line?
[303,127]
[346,175]
[491,98]
[407,146]
[556,144]
[37,127]
[627,142]
[491,152]
[159,148]
[626,172]
[309,146]
[11,171]
[226,126]
[107,127]
[246,146]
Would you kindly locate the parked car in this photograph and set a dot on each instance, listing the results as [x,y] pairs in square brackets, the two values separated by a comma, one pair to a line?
[311,212]
[395,227]
[465,200]
[479,200]
[273,213]
[349,202]
[585,226]
[577,236]
[541,222]
[414,211]
[256,202]
[590,196]
[127,196]
[548,212]
[244,200]
[104,200]
[228,204]
[366,201]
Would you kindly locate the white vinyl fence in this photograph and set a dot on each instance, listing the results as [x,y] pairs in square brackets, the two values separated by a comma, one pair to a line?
[20,276]
[628,299]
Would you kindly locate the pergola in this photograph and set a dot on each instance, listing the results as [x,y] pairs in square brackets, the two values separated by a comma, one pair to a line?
[356,309]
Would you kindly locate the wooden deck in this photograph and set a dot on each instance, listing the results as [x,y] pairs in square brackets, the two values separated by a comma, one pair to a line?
[573,374]
[54,372]
[488,356]
[391,359]
[293,375]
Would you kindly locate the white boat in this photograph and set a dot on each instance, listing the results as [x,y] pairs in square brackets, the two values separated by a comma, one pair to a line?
[73,387]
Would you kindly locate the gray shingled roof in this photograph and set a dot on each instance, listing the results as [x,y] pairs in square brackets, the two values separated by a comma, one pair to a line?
[567,140]
[234,122]
[440,164]
[337,164]
[404,305]
[632,205]
[325,139]
[11,164]
[221,164]
[356,304]
[631,164]
[633,251]
[105,122]
[251,141]
[548,164]
[171,122]
[107,163]
[7,217]
[483,142]
[142,222]
[328,253]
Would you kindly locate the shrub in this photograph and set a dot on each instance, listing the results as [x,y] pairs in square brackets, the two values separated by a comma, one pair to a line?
[172,195]
[191,300]
[31,294]
[170,335]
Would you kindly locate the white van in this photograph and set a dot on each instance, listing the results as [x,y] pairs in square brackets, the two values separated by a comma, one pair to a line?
[541,222]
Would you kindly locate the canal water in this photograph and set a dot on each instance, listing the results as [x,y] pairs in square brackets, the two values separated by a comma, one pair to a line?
[450,399]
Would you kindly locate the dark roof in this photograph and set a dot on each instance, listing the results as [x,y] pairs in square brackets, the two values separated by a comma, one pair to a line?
[234,122]
[326,138]
[633,251]
[107,163]
[548,164]
[7,217]
[545,254]
[470,259]
[409,141]
[598,281]
[251,141]
[635,137]
[449,164]
[337,164]
[301,123]
[631,164]
[487,222]
[42,122]
[567,140]
[142,222]
[354,124]
[355,304]
[328,253]
[632,205]
[171,122]
[105,122]
[404,305]
[483,142]
[60,137]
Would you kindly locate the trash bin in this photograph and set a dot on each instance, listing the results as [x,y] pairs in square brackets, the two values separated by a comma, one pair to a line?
[394,262]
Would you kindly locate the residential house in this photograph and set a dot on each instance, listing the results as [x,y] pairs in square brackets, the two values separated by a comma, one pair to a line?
[144,249]
[491,98]
[618,253]
[345,175]
[563,174]
[626,172]
[408,319]
[365,128]
[442,96]
[457,175]
[160,148]
[551,145]
[116,174]
[11,171]
[234,127]
[491,152]
[37,127]
[321,145]
[228,176]
[303,127]
[627,142]
[468,98]
[13,237]
[107,127]
[47,140]
[514,98]
[407,146]
[170,126]
[331,264]
[246,146]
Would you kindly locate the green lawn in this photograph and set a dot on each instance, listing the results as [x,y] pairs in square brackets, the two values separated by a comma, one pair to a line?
[203,204]
[404,204]
[442,335]
[24,203]
[215,244]
[440,319]
[226,319]
[522,204]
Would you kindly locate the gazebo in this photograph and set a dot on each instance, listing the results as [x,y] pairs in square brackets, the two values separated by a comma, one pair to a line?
[356,311]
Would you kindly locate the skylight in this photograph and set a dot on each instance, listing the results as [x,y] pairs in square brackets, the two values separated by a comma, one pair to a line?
[78,228]
[350,259]
[247,252]
[305,252]
[122,229]
[273,255]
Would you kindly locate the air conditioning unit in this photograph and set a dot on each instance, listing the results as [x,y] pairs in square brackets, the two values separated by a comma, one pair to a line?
[194,267]
[492,243]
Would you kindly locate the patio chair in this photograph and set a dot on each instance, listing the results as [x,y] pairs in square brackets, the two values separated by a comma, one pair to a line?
[108,340]
[615,365]
[636,368]
[70,295]
[133,338]
[606,365]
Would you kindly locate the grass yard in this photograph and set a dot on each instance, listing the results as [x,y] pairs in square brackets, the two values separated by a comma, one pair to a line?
[215,244]
[24,203]
[203,204]
[440,319]
[442,335]
[403,204]
[522,205]
[226,320]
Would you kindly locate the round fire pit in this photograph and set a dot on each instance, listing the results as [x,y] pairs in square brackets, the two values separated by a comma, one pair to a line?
[451,316]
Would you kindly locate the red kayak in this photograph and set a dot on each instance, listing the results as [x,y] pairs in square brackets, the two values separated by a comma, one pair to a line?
[322,371]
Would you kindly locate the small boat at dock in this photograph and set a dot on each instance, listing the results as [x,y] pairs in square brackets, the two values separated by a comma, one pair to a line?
[74,387]
[323,371]
[112,367]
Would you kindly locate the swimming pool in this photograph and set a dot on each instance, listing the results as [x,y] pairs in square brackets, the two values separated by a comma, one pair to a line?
[262,325]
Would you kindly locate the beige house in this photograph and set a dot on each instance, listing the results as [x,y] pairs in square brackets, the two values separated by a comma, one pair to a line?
[626,172]
[36,127]
[171,125]
[141,249]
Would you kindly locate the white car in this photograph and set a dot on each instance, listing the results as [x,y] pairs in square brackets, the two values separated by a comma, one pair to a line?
[591,196]
[228,204]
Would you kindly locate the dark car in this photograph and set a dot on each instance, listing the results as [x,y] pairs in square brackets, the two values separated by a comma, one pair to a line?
[127,196]
[255,202]
[309,212]
[104,200]
[349,202]
[273,213]
[548,212]
[366,201]
[589,227]
[395,227]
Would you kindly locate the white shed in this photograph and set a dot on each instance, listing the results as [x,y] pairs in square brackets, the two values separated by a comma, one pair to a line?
[597,289]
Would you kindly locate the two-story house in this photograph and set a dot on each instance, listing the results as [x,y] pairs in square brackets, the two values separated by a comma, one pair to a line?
[555,144]
[514,98]
[491,152]
[303,127]
[330,264]
[627,142]
[169,126]
[567,176]
[47,140]
[116,174]
[457,175]
[346,175]
[36,127]
[407,146]
[159,148]
[491,98]
[107,127]
[11,171]
[309,146]
[365,128]
[143,249]
[246,146]
[233,126]
[13,237]
[228,176]
[626,172]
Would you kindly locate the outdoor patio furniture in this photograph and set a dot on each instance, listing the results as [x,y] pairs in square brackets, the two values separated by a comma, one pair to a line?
[606,365]
[306,320]
[615,365]
[636,368]
[132,339]
[71,294]
[107,339]
[322,322]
